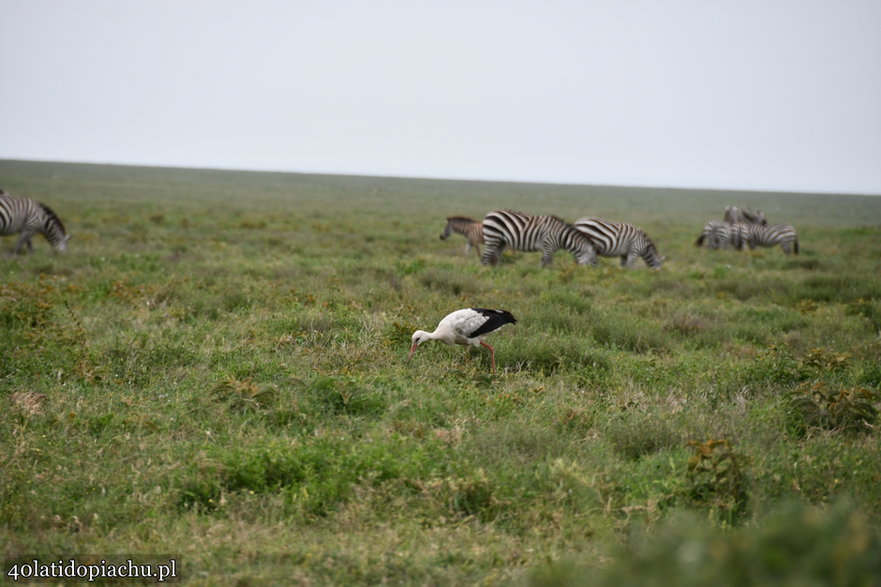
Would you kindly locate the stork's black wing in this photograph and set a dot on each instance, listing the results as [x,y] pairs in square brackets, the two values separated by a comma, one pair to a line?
[495,320]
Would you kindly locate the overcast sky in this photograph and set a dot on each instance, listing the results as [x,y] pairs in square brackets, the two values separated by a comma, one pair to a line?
[745,94]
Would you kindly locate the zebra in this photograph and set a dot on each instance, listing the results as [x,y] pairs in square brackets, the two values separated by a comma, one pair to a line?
[757,235]
[619,239]
[25,217]
[471,229]
[733,215]
[716,233]
[523,232]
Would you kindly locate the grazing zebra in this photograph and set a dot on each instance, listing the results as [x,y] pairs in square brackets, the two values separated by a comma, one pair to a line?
[25,217]
[523,232]
[471,229]
[733,215]
[619,239]
[756,235]
[716,234]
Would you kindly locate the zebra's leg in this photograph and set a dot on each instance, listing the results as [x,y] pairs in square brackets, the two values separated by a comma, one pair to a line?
[547,255]
[629,260]
[24,239]
[491,254]
[467,247]
[737,243]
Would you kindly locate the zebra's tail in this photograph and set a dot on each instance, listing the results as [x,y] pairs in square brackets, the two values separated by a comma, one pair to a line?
[795,246]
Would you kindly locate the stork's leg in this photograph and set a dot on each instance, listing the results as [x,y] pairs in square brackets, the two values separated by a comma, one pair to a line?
[492,356]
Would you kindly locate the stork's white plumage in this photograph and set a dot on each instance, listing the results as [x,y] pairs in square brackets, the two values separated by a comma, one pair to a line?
[467,327]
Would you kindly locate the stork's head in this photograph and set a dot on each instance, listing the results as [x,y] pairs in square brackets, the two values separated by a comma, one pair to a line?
[418,338]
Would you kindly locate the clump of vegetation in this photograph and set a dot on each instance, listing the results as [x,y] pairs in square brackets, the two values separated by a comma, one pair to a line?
[638,433]
[717,479]
[461,497]
[245,395]
[797,545]
[823,360]
[850,410]
[869,309]
[776,365]
[313,478]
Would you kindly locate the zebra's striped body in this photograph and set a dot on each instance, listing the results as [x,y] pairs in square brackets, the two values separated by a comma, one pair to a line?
[757,235]
[25,217]
[619,239]
[716,234]
[471,229]
[523,232]
[733,215]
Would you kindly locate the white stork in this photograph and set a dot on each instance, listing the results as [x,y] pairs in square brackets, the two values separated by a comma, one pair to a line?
[468,326]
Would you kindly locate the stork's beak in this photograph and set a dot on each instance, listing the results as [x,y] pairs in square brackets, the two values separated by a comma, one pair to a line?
[412,349]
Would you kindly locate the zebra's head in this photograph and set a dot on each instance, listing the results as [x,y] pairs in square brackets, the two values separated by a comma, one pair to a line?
[53,230]
[650,255]
[585,253]
[61,245]
[446,233]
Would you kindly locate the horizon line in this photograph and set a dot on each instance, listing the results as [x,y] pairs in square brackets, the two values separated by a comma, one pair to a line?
[451,179]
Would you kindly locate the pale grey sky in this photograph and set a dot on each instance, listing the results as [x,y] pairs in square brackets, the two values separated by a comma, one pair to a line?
[744,94]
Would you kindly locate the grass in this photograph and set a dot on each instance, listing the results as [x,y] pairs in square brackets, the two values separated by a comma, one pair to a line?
[217,369]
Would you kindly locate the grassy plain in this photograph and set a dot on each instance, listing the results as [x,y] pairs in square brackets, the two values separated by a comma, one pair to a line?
[217,370]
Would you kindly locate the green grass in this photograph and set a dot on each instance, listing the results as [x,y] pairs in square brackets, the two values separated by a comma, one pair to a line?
[217,369]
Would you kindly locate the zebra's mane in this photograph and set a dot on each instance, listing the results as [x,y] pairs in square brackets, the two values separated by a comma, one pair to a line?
[558,219]
[53,217]
[460,218]
[555,217]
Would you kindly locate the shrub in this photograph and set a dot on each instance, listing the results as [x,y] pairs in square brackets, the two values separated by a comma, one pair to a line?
[775,365]
[717,479]
[823,360]
[799,545]
[849,410]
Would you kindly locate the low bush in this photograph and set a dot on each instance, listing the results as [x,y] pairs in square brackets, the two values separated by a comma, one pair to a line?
[845,410]
[797,545]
